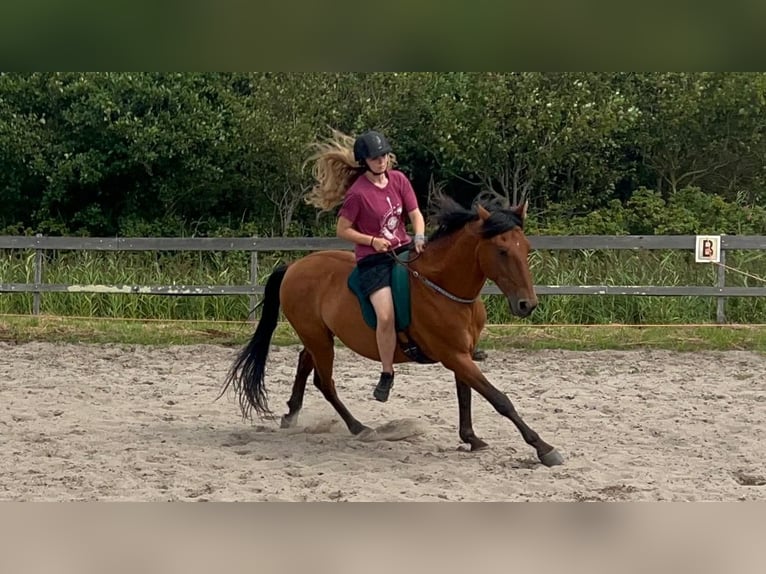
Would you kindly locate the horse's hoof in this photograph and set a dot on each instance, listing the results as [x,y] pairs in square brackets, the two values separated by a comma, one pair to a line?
[477,444]
[479,355]
[552,458]
[288,422]
[367,434]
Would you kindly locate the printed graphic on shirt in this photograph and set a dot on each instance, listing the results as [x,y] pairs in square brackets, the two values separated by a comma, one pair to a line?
[390,221]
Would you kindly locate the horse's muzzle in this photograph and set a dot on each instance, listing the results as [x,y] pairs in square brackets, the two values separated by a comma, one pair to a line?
[522,307]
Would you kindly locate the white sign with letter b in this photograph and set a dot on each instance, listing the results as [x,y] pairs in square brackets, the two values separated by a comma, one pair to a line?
[708,249]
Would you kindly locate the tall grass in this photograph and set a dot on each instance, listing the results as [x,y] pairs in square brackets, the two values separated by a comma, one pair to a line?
[636,268]
[131,268]
[576,267]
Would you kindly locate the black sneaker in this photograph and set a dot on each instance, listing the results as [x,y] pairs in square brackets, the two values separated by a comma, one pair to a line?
[383,388]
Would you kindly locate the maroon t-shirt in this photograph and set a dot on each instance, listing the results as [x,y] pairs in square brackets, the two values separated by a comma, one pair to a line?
[379,211]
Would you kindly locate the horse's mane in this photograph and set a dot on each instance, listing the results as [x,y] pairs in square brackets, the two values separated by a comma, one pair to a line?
[450,216]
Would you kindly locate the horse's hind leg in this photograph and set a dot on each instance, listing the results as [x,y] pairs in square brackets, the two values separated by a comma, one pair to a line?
[323,355]
[305,366]
[466,424]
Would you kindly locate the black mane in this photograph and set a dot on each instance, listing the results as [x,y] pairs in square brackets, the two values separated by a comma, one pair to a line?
[450,216]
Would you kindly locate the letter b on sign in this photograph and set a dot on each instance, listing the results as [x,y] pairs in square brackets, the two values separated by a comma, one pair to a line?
[708,249]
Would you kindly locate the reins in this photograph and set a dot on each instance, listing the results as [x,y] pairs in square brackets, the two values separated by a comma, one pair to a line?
[427,281]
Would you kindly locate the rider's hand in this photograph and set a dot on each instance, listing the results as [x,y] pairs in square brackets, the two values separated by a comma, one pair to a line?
[420,243]
[381,244]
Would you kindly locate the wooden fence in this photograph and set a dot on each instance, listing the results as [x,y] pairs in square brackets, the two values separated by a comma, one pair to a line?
[271,244]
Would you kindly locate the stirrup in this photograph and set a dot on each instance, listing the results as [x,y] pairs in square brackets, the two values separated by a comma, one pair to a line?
[383,388]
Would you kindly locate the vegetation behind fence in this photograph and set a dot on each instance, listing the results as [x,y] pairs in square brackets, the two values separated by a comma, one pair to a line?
[581,279]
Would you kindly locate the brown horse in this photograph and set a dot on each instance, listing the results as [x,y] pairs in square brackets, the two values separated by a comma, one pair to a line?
[468,247]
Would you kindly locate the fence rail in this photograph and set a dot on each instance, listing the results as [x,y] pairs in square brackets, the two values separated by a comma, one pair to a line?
[564,242]
[308,244]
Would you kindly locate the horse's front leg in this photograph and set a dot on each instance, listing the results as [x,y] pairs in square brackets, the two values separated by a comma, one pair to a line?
[465,429]
[467,372]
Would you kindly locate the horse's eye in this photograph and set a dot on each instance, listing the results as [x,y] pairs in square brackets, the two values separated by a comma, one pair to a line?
[503,253]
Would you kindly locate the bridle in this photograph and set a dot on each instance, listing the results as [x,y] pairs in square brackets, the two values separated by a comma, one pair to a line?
[427,281]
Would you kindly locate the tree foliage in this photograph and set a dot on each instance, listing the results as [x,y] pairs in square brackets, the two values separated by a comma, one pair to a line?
[181,153]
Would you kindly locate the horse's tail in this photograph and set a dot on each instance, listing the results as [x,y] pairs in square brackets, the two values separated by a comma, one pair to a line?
[247,373]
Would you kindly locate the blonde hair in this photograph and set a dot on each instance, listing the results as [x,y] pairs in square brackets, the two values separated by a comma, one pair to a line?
[334,170]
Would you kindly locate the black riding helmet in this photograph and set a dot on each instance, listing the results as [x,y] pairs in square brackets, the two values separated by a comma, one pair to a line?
[370,144]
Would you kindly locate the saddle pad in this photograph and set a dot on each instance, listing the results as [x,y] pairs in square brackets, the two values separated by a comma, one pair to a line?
[400,289]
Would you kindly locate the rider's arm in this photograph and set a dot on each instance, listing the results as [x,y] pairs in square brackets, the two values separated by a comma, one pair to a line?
[345,230]
[418,222]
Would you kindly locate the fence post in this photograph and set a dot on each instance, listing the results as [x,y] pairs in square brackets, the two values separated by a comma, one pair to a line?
[254,283]
[720,313]
[38,278]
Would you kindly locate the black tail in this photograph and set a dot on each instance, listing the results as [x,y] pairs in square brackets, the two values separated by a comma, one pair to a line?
[246,374]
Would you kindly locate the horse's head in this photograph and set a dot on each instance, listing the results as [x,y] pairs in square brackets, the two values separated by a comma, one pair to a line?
[503,255]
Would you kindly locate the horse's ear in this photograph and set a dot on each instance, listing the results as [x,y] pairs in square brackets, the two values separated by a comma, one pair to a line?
[521,210]
[483,213]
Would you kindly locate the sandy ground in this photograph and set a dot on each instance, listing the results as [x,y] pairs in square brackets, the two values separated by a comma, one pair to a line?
[106,422]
